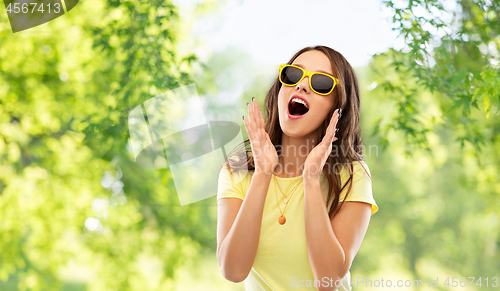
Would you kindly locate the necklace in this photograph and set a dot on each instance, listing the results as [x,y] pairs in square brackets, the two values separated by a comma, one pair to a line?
[282,218]
[285,200]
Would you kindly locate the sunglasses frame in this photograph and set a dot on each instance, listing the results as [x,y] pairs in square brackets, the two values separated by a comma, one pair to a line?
[309,74]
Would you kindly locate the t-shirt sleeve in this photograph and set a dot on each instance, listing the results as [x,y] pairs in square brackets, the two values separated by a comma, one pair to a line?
[361,187]
[227,185]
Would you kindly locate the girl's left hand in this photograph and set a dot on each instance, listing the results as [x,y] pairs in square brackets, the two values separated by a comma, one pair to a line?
[315,161]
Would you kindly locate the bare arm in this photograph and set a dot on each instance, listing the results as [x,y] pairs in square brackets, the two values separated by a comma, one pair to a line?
[333,244]
[238,229]
[239,222]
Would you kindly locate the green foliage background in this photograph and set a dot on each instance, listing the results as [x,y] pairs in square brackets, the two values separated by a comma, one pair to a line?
[430,127]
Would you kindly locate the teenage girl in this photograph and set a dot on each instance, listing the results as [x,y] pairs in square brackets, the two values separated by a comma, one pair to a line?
[294,208]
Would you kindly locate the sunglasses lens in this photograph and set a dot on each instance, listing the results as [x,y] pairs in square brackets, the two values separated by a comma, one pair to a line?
[322,83]
[291,75]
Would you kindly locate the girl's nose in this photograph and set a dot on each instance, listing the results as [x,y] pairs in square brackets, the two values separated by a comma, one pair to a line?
[303,85]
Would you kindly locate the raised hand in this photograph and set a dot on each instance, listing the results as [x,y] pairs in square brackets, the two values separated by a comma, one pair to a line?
[316,159]
[263,151]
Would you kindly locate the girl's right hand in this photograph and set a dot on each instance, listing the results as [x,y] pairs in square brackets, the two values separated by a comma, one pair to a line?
[263,151]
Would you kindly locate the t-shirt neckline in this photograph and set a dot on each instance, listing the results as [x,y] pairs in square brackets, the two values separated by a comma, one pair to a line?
[288,179]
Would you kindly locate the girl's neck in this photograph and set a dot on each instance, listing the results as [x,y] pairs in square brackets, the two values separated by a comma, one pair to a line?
[294,151]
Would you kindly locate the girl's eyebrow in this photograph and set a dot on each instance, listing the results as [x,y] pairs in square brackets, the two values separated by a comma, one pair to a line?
[299,65]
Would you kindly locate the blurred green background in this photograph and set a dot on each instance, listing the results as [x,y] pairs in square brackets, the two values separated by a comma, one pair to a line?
[77,213]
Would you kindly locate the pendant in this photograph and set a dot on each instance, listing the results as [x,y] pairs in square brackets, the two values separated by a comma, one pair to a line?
[282,220]
[285,200]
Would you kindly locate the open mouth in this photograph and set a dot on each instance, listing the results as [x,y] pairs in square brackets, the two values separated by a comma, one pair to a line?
[297,107]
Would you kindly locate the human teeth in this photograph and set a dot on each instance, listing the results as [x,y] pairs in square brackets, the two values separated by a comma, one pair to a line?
[300,101]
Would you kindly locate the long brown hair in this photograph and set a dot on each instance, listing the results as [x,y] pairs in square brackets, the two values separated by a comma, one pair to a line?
[348,147]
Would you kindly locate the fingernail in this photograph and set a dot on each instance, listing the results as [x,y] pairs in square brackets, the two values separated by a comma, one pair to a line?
[253,98]
[243,117]
[337,130]
[248,103]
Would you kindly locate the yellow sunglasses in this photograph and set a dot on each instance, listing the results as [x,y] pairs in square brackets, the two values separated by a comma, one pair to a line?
[320,83]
